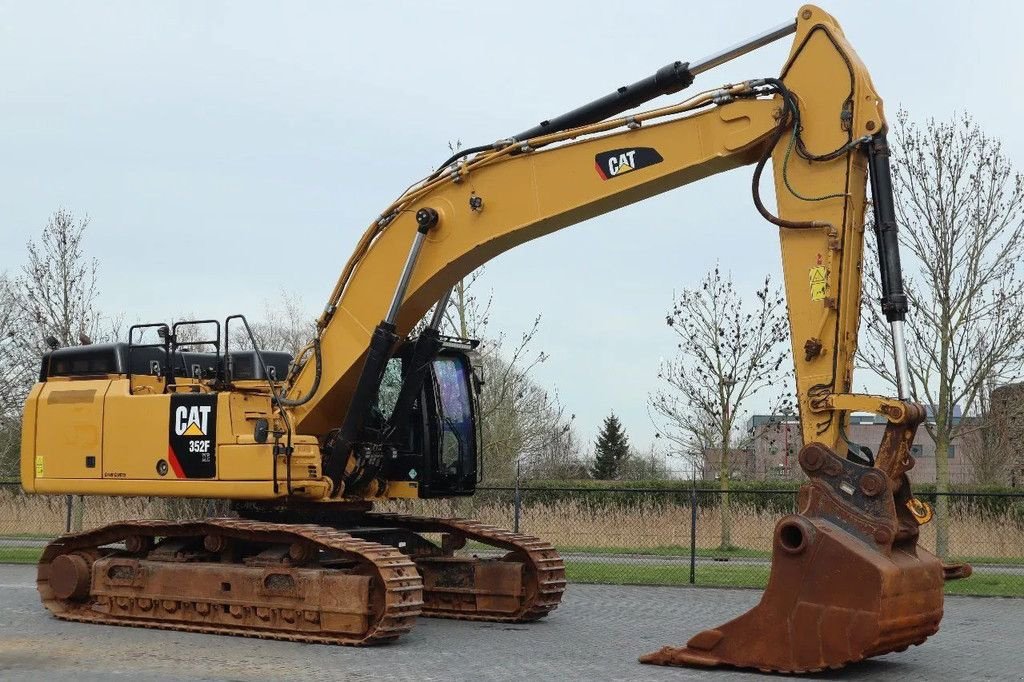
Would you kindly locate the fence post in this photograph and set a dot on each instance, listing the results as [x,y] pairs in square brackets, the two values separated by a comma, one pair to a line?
[693,532]
[79,511]
[517,503]
[67,524]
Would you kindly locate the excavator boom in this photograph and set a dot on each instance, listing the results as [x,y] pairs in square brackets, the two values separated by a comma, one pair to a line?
[519,191]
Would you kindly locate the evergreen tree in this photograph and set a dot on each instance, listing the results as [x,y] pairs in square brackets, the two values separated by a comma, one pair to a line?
[610,451]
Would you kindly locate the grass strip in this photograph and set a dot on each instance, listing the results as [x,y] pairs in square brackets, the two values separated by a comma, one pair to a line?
[20,555]
[596,572]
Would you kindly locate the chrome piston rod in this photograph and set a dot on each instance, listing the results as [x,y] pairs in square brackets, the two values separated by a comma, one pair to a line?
[426,219]
[899,344]
[438,317]
[742,48]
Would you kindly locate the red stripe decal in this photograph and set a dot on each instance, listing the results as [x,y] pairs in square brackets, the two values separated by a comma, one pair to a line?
[600,171]
[175,464]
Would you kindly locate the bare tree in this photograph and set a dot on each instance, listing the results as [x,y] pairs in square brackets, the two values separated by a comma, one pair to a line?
[522,424]
[284,326]
[55,297]
[645,466]
[960,205]
[559,455]
[16,354]
[17,364]
[57,293]
[689,434]
[466,315]
[728,351]
[517,415]
[57,289]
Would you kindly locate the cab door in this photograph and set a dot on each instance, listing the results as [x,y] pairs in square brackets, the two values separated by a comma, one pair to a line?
[452,429]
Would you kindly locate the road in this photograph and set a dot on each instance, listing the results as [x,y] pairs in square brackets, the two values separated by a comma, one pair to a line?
[596,635]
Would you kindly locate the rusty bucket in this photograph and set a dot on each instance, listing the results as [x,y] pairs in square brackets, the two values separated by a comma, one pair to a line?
[848,580]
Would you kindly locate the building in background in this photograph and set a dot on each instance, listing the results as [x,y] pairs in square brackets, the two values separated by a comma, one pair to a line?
[773,442]
[1002,436]
[742,464]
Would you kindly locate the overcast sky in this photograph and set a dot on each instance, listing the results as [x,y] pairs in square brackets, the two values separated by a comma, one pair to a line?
[227,150]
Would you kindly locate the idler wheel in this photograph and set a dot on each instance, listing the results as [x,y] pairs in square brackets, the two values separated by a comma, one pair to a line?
[70,577]
[302,552]
[138,544]
[215,543]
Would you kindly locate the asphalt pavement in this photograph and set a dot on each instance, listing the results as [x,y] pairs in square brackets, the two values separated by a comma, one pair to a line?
[596,634]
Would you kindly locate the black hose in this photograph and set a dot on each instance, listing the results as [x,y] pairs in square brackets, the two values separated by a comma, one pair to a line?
[316,379]
[458,155]
[276,399]
[790,116]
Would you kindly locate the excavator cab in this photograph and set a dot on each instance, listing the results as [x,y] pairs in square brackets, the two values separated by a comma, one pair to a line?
[437,447]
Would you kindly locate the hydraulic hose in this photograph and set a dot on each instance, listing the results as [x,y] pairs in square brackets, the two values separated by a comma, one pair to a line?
[287,402]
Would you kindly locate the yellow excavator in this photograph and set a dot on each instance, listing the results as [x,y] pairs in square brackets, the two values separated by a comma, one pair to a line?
[303,446]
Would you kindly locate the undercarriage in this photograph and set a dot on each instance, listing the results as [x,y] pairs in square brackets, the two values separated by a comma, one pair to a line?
[360,584]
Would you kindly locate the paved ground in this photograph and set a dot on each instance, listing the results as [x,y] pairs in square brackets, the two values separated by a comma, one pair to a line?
[596,635]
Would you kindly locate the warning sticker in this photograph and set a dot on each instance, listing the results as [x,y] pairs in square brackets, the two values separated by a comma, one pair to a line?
[818,283]
[39,466]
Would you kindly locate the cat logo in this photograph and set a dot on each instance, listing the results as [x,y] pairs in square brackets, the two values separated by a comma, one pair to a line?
[616,162]
[192,421]
[191,437]
[623,163]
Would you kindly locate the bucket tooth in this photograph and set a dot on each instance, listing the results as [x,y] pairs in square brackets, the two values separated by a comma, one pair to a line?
[848,580]
[956,571]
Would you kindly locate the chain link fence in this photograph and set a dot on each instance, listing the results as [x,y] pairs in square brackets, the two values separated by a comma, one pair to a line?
[608,535]
[689,537]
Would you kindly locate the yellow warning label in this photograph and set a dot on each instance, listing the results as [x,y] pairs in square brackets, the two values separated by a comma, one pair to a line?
[39,466]
[818,282]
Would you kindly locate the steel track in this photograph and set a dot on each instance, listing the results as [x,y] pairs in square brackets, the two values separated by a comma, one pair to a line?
[394,573]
